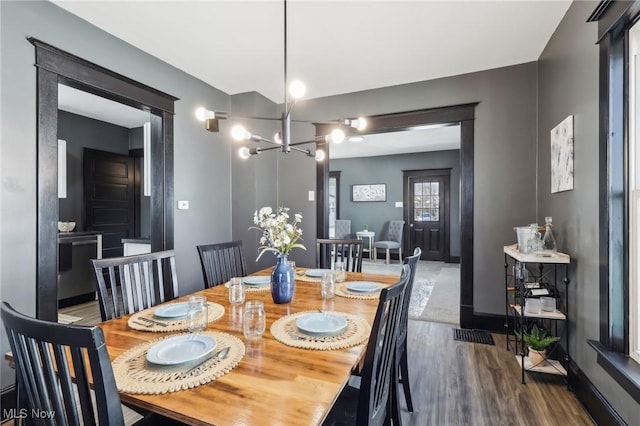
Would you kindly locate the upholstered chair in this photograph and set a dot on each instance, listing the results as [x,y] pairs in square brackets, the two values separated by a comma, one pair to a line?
[393,241]
[343,229]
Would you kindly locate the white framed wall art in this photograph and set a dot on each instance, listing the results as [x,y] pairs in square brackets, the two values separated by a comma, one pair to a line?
[562,156]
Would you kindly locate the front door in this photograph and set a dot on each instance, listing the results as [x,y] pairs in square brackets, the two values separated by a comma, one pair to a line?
[427,212]
[109,198]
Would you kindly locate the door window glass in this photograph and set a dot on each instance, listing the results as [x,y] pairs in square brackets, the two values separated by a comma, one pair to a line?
[426,201]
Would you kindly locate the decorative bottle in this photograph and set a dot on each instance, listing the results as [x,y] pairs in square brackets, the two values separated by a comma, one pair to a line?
[548,239]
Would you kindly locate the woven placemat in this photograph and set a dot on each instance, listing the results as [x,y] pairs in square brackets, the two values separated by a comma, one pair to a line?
[285,331]
[300,275]
[343,291]
[134,374]
[253,288]
[136,322]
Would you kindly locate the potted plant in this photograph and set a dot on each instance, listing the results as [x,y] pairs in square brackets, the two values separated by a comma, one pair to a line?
[538,341]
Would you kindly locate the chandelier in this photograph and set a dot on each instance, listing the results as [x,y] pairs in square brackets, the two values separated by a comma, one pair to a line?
[282,139]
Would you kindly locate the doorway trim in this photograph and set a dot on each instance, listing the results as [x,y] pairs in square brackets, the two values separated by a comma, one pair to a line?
[464,115]
[55,66]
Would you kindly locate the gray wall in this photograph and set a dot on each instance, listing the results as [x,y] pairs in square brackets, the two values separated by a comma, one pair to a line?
[82,132]
[202,160]
[254,179]
[504,160]
[568,85]
[257,182]
[388,169]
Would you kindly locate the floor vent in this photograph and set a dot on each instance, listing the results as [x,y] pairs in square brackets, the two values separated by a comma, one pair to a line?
[473,336]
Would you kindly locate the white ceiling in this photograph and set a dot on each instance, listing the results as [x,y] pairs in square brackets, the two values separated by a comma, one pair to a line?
[426,138]
[92,106]
[335,47]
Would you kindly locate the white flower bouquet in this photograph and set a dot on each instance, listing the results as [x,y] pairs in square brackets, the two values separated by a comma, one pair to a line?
[279,233]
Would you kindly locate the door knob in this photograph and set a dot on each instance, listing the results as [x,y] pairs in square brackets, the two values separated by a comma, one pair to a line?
[411,225]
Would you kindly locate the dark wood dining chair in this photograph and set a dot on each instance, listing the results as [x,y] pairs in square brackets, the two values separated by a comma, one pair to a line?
[65,371]
[333,250]
[377,398]
[221,262]
[403,362]
[54,362]
[130,284]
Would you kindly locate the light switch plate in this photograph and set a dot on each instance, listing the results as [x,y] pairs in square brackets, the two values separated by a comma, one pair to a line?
[312,195]
[183,205]
[399,204]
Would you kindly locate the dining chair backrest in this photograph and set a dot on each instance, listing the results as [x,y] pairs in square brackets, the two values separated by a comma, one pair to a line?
[130,284]
[378,396]
[57,368]
[329,251]
[221,262]
[412,263]
[401,353]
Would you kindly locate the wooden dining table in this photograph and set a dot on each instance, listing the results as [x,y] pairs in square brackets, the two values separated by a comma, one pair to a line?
[273,384]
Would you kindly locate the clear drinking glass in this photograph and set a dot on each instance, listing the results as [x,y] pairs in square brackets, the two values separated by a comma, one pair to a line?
[253,319]
[341,272]
[292,265]
[236,291]
[197,314]
[328,285]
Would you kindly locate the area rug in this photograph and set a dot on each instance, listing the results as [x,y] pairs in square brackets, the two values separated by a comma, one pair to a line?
[443,305]
[428,275]
[67,319]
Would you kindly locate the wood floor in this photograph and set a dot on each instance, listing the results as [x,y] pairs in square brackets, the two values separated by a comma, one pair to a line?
[460,383]
[467,384]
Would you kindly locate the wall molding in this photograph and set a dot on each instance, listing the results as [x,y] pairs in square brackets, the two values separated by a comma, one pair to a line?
[592,400]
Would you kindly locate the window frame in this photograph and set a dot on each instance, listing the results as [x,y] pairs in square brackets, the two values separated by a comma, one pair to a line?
[614,21]
[634,191]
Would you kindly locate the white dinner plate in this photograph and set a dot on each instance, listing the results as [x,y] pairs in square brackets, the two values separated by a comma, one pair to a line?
[181,349]
[174,310]
[321,324]
[257,280]
[316,273]
[363,286]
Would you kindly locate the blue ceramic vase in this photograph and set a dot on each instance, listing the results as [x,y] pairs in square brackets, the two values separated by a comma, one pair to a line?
[282,281]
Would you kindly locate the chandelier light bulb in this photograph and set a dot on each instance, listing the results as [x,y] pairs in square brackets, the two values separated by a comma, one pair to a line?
[297,89]
[277,138]
[204,114]
[360,123]
[337,136]
[244,153]
[319,155]
[239,133]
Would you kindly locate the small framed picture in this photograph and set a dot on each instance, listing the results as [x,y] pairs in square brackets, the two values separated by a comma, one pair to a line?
[370,192]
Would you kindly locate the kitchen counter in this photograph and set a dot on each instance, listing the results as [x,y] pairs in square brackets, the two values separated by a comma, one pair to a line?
[133,246]
[81,236]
